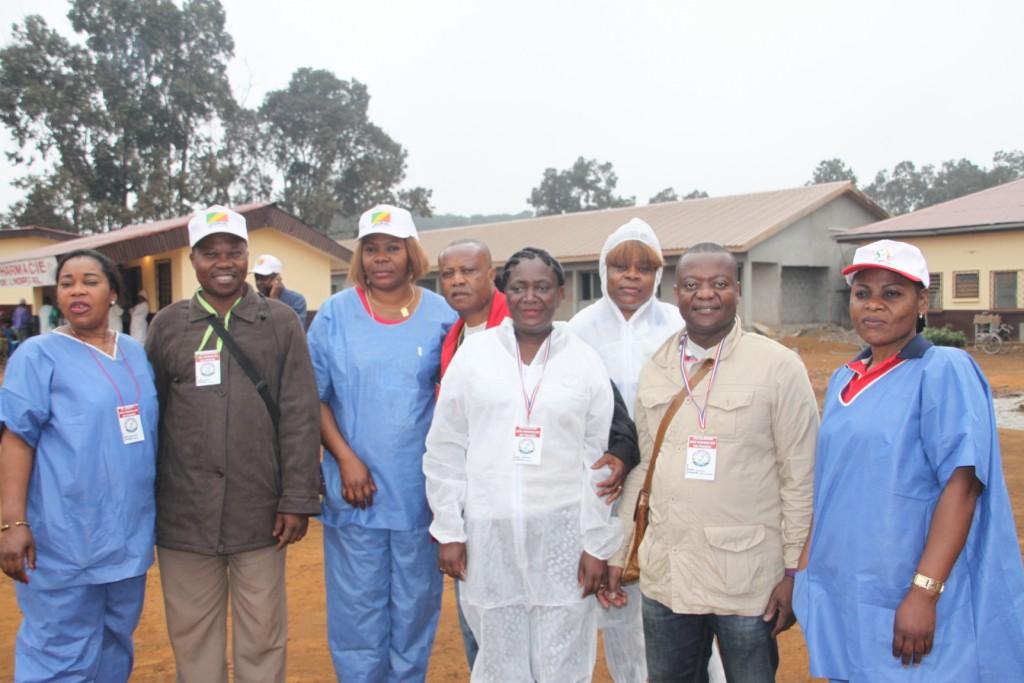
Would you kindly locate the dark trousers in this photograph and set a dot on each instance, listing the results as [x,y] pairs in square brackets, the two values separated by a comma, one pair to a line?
[678,646]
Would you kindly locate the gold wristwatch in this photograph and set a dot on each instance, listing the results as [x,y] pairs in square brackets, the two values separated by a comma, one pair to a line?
[928,583]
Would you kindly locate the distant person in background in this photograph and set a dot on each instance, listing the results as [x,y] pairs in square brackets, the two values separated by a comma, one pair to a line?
[139,319]
[267,273]
[21,320]
[45,316]
[116,317]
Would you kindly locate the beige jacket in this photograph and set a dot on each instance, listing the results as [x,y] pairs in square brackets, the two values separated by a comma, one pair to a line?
[721,546]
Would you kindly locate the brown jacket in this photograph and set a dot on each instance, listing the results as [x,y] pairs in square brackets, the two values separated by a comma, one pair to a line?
[721,546]
[220,480]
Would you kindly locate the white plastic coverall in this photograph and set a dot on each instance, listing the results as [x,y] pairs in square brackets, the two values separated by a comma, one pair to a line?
[624,346]
[524,525]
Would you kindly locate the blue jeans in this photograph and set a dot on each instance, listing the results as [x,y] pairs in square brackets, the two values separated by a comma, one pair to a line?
[468,641]
[678,646]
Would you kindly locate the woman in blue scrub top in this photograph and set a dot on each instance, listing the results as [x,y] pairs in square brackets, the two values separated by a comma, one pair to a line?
[376,353]
[913,569]
[79,416]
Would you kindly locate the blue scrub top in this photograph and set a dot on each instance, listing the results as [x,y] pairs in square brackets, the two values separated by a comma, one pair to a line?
[883,460]
[379,381]
[90,496]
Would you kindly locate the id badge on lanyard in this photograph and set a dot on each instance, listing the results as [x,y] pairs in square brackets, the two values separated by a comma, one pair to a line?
[701,450]
[207,368]
[130,420]
[129,416]
[528,439]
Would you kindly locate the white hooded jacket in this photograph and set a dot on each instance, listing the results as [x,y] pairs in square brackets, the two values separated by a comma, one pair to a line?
[625,345]
[524,525]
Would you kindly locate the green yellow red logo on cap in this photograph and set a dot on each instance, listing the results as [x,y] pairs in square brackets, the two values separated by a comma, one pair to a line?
[216,217]
[378,217]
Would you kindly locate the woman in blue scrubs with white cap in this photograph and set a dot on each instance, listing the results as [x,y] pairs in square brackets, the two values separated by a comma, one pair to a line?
[913,569]
[376,350]
[79,416]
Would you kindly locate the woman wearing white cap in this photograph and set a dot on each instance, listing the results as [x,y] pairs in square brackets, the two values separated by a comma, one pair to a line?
[913,559]
[376,353]
[625,327]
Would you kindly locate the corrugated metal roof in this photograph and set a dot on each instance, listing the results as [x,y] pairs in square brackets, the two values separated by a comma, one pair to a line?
[134,241]
[37,231]
[995,208]
[738,222]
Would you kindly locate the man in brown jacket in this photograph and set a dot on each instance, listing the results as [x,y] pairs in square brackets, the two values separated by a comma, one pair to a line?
[233,488]
[732,486]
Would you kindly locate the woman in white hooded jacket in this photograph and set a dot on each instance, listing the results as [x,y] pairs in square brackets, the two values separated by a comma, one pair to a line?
[625,327]
[524,411]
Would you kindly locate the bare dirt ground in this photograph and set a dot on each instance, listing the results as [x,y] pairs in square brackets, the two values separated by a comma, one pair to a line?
[308,659]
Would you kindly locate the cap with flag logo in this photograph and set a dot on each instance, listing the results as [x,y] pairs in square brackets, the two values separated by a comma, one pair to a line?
[385,219]
[267,264]
[899,257]
[216,219]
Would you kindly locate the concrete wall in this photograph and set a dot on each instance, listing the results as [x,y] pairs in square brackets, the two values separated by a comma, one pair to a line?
[764,291]
[809,242]
[802,301]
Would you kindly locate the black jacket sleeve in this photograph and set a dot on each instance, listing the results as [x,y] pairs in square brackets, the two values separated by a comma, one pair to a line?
[622,440]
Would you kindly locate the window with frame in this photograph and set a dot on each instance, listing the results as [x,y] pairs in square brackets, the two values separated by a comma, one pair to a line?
[1004,289]
[965,285]
[163,283]
[934,291]
[590,285]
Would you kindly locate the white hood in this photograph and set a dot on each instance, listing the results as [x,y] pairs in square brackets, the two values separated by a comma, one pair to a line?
[625,345]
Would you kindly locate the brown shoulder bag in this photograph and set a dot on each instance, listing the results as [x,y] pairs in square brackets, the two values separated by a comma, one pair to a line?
[642,511]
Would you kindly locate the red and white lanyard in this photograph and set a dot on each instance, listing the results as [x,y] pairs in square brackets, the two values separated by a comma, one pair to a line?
[120,399]
[531,399]
[702,412]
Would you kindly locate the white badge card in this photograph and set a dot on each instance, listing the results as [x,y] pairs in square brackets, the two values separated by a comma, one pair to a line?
[130,420]
[207,368]
[701,454]
[527,445]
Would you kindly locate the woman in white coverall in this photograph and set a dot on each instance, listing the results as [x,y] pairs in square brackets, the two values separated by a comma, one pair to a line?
[625,327]
[524,411]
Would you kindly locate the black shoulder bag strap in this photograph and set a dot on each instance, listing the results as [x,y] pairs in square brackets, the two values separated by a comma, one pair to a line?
[249,369]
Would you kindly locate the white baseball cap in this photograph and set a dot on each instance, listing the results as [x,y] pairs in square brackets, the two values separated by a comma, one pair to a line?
[899,257]
[385,219]
[213,220]
[267,264]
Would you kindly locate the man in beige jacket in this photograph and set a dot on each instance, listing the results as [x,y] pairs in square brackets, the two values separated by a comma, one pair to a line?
[732,488]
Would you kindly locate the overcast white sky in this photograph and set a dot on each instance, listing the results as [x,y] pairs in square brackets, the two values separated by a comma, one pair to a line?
[727,97]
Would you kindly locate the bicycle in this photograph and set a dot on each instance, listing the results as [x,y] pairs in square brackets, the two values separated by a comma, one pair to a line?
[991,342]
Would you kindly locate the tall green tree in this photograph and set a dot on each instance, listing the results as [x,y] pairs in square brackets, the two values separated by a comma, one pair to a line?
[116,124]
[333,159]
[909,188]
[830,171]
[588,184]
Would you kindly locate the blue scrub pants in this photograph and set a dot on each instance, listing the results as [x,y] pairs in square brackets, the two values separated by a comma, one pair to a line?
[383,602]
[78,633]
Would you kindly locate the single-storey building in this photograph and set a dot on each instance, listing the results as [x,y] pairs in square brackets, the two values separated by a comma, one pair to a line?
[789,262]
[155,257]
[15,285]
[974,246]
